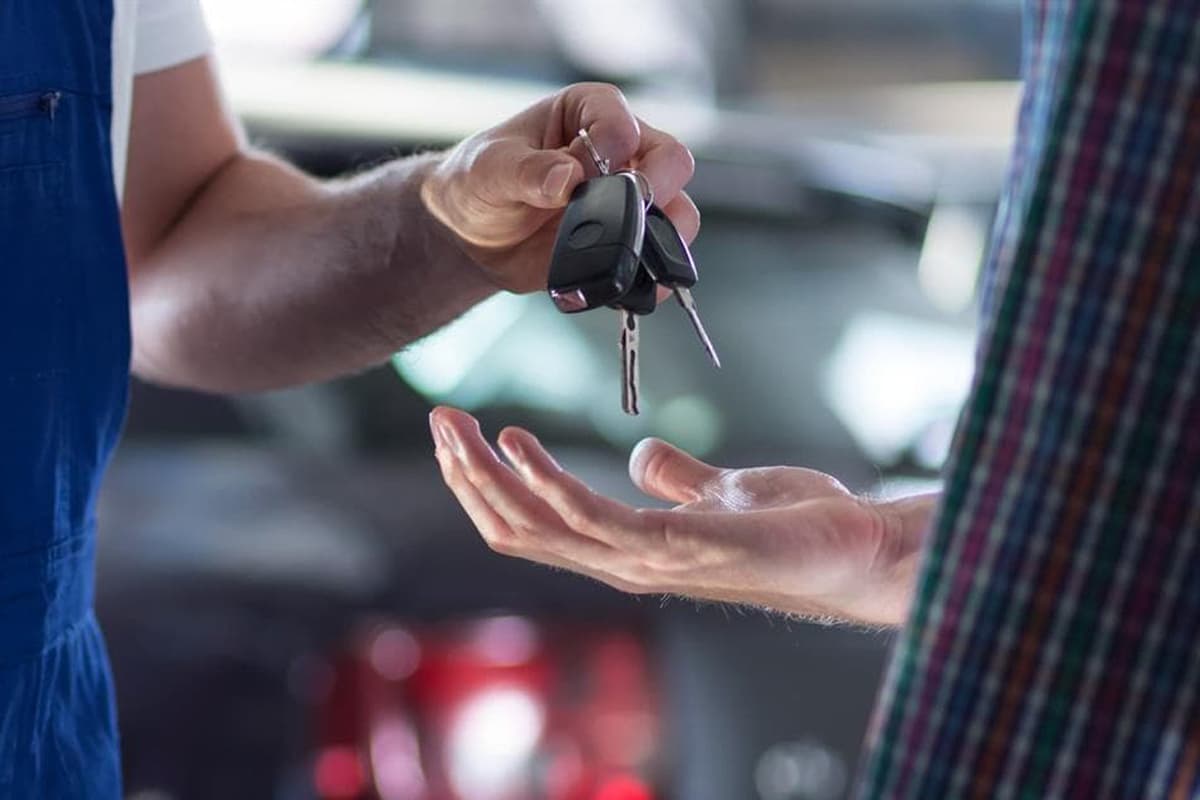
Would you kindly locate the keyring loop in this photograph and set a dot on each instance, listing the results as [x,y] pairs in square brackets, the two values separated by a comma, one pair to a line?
[605,167]
[644,184]
[602,164]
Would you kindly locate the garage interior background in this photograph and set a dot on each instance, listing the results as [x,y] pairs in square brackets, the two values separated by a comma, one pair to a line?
[296,608]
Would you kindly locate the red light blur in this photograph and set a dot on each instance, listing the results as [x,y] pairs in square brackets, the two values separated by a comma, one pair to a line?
[598,720]
[338,774]
[624,787]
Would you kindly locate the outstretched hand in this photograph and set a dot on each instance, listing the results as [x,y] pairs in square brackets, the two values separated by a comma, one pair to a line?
[502,190]
[786,538]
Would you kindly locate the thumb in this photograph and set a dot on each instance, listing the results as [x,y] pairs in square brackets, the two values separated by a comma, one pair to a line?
[666,472]
[515,172]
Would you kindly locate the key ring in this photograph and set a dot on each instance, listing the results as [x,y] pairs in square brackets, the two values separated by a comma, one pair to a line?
[643,184]
[605,168]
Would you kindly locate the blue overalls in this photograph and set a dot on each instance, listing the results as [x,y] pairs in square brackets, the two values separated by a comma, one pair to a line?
[64,366]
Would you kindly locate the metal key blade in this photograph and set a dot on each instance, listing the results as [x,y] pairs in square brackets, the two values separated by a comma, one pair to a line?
[630,368]
[684,296]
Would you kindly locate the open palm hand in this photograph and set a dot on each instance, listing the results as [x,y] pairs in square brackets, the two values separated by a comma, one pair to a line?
[786,538]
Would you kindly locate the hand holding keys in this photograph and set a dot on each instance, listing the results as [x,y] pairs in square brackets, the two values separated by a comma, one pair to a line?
[615,248]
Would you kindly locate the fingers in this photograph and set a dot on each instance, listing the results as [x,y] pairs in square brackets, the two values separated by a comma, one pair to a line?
[537,159]
[809,554]
[542,513]
[491,526]
[511,170]
[518,525]
[665,162]
[510,517]
[544,498]
[582,509]
[646,547]
[497,533]
[601,110]
[566,510]
[666,472]
[685,216]
[547,178]
[469,458]
[623,139]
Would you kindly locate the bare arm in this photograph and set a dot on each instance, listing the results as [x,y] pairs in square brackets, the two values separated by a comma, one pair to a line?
[247,274]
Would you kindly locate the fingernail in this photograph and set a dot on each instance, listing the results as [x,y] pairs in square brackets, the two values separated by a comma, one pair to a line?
[556,181]
[517,453]
[639,456]
[449,438]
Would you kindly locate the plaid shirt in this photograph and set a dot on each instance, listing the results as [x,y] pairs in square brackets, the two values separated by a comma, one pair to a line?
[1054,644]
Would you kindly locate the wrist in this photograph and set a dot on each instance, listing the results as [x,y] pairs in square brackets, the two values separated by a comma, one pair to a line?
[436,239]
[901,527]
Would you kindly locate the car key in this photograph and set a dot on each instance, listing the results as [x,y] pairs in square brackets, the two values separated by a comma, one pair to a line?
[582,275]
[595,261]
[640,300]
[630,367]
[668,260]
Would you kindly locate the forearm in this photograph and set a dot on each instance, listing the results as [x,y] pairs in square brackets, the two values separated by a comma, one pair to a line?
[271,278]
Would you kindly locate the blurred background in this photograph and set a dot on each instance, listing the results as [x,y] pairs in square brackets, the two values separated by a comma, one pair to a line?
[296,607]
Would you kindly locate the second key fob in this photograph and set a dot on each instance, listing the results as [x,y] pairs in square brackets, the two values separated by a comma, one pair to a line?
[642,297]
[665,254]
[596,255]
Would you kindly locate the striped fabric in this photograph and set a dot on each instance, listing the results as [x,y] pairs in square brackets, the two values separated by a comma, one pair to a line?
[1054,644]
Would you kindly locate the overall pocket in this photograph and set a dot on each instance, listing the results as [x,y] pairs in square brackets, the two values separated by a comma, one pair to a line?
[30,104]
[30,124]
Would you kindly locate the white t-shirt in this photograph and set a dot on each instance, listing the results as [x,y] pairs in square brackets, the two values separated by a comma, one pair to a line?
[149,35]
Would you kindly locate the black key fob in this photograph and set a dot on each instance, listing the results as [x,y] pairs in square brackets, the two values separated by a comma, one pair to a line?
[642,297]
[596,254]
[665,254]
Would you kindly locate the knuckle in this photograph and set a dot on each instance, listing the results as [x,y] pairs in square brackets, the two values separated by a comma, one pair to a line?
[606,90]
[597,89]
[628,137]
[477,477]
[579,515]
[504,545]
[683,550]
[684,156]
[577,508]
[484,155]
[665,540]
[625,584]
